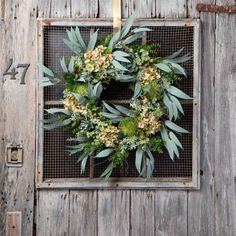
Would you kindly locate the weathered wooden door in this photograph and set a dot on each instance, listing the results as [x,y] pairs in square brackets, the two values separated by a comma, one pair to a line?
[208,211]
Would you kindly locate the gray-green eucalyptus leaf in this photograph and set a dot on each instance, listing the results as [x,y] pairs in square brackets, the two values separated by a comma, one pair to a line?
[138,159]
[104,153]
[178,93]
[118,66]
[92,41]
[175,127]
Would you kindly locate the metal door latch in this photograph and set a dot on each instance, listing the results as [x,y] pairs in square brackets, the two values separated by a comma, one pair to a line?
[14,155]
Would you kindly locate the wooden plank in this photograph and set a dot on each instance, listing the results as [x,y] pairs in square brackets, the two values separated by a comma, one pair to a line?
[53,213]
[122,183]
[18,111]
[201,203]
[113,213]
[108,22]
[53,206]
[83,213]
[116,14]
[43,8]
[224,122]
[85,9]
[196,134]
[171,9]
[105,8]
[191,7]
[124,8]
[13,223]
[142,213]
[2,117]
[171,213]
[142,8]
[60,9]
[155,9]
[2,9]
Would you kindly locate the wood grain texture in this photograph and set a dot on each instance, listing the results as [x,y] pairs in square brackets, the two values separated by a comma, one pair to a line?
[60,9]
[170,213]
[142,213]
[18,107]
[201,203]
[124,8]
[85,9]
[53,213]
[83,213]
[2,117]
[105,8]
[2,10]
[171,9]
[191,8]
[43,8]
[116,15]
[225,53]
[113,213]
[13,223]
[142,8]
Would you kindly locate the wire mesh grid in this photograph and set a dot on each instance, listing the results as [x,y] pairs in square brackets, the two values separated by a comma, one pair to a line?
[56,161]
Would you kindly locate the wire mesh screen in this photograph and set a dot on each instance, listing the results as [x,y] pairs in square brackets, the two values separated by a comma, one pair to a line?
[56,161]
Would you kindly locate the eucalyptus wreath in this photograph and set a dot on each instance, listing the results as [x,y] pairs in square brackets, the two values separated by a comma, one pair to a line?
[146,125]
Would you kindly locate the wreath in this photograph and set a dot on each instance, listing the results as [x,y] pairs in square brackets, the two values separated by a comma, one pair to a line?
[146,125]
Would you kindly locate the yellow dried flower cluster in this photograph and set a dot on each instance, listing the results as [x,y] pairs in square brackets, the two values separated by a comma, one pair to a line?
[150,123]
[72,104]
[150,74]
[109,136]
[96,60]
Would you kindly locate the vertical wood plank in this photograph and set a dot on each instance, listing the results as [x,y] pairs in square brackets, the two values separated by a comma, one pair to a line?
[142,212]
[124,8]
[53,206]
[224,126]
[117,14]
[142,8]
[201,203]
[2,9]
[171,213]
[13,223]
[105,8]
[85,9]
[43,8]
[53,213]
[192,11]
[83,213]
[171,9]
[113,212]
[2,117]
[60,9]
[18,111]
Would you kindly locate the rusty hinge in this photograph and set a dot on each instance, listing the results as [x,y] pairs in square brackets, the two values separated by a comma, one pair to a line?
[230,9]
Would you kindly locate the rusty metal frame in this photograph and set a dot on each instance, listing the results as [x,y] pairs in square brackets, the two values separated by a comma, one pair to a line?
[122,183]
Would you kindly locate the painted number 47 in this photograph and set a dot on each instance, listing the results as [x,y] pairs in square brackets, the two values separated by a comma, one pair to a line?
[13,72]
